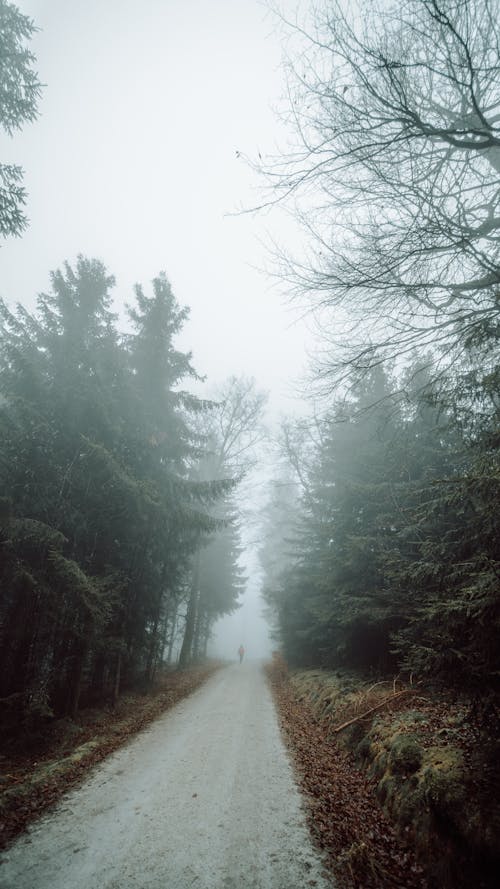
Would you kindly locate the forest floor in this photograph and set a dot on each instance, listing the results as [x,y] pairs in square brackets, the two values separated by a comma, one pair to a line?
[404,798]
[32,780]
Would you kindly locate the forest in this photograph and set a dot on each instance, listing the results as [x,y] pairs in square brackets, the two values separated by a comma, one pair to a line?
[119,524]
[120,519]
[386,526]
[118,495]
[381,558]
[135,492]
[383,533]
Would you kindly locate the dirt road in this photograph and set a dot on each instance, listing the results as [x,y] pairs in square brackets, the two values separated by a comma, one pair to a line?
[204,798]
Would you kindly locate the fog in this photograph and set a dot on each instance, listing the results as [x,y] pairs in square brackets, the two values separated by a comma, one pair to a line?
[250,406]
[140,157]
[136,158]
[247,627]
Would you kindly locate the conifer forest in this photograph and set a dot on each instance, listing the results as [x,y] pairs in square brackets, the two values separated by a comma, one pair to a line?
[148,504]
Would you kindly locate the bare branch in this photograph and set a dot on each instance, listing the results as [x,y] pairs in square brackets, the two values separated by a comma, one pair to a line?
[396,110]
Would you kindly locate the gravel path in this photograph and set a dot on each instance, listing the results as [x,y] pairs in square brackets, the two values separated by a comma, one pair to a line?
[204,798]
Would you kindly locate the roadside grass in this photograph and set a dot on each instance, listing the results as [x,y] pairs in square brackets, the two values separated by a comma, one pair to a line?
[34,778]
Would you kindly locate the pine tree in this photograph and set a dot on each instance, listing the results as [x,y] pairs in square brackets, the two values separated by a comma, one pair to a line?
[19,93]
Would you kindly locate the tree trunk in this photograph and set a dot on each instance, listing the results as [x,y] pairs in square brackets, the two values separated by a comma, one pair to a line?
[150,668]
[76,674]
[197,633]
[116,684]
[75,687]
[172,633]
[187,642]
[97,682]
[206,635]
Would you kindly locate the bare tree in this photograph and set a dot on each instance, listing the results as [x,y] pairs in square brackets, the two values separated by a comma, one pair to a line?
[395,175]
[235,425]
[231,432]
[296,443]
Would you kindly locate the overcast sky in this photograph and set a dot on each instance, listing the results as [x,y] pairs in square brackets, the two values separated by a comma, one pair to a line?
[134,160]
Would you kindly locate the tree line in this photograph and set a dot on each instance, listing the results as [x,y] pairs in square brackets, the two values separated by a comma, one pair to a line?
[386,553]
[385,549]
[119,517]
[119,531]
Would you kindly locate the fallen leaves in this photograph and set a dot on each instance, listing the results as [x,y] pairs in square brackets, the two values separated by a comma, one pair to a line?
[345,817]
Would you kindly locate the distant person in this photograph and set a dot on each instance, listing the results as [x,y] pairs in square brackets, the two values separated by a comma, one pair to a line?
[241,652]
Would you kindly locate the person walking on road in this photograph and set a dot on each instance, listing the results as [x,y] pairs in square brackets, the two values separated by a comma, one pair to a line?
[241,652]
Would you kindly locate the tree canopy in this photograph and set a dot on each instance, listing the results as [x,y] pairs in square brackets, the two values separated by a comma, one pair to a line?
[394,111]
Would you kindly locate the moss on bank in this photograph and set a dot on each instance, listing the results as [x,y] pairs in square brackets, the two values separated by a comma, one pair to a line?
[435,772]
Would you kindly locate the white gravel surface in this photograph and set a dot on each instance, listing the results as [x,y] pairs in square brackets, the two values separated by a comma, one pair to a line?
[203,798]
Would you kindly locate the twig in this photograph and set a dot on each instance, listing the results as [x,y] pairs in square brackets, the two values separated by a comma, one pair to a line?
[393,697]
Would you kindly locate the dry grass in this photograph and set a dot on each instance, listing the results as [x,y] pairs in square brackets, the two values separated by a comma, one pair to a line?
[336,698]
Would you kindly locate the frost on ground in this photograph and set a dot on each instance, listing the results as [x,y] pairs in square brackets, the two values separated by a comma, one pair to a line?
[37,771]
[204,798]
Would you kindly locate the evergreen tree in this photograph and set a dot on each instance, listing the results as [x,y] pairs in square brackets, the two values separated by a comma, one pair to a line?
[346,592]
[101,516]
[452,573]
[19,93]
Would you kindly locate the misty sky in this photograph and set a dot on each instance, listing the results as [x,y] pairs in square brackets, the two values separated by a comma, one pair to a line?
[134,160]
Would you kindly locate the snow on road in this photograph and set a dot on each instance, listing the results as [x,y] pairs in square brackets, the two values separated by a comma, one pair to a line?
[204,798]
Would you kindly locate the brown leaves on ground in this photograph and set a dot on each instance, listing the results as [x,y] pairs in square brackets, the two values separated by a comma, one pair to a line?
[32,783]
[345,817]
